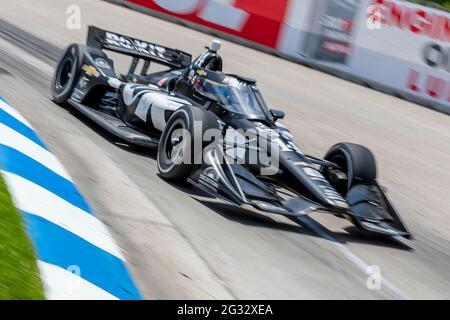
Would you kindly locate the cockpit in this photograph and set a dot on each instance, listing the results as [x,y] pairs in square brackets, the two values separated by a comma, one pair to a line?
[234,95]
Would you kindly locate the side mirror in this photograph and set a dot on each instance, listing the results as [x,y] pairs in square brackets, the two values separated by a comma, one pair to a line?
[277,114]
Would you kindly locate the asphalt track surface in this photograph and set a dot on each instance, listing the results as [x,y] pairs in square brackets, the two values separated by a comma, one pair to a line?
[180,244]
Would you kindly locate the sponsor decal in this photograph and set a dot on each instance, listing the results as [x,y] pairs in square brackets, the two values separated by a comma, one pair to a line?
[77,95]
[133,44]
[231,81]
[323,184]
[313,173]
[429,85]
[209,178]
[191,75]
[257,21]
[373,21]
[268,207]
[161,82]
[84,81]
[415,19]
[331,35]
[282,138]
[91,71]
[102,63]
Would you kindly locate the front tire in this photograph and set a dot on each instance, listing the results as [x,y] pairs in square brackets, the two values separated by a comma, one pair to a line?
[356,161]
[176,152]
[67,73]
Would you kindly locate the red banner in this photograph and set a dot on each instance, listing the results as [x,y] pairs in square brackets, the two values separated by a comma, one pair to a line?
[254,20]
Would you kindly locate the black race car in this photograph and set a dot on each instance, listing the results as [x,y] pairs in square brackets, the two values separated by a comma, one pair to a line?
[249,159]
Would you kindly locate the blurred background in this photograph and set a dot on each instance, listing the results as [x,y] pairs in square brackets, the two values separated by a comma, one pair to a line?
[370,72]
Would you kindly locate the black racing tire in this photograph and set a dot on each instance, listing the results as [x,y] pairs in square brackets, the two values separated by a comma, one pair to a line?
[357,161]
[179,166]
[67,73]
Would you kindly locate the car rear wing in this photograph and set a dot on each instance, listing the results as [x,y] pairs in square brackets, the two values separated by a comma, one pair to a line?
[139,49]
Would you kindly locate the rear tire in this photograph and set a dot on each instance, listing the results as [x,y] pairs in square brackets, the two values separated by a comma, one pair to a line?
[176,154]
[355,160]
[67,73]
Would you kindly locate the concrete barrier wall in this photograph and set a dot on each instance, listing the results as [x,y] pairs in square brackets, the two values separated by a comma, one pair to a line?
[395,46]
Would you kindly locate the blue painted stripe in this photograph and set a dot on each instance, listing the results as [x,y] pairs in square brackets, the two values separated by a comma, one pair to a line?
[16,162]
[54,244]
[20,127]
[4,100]
[57,246]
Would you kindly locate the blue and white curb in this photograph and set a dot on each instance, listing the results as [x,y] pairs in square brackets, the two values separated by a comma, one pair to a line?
[77,257]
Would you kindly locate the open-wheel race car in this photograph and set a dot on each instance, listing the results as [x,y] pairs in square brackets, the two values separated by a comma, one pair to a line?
[163,109]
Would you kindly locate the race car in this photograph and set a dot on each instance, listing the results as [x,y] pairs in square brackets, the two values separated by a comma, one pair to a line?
[249,160]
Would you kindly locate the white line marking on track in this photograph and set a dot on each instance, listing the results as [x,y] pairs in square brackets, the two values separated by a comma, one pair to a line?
[36,200]
[14,113]
[15,140]
[358,262]
[61,284]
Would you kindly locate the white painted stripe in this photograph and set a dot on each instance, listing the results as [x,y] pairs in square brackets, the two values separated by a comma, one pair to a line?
[13,112]
[15,140]
[357,261]
[61,284]
[36,200]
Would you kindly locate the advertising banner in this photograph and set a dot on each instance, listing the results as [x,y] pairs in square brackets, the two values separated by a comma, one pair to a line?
[397,46]
[331,29]
[408,50]
[254,20]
